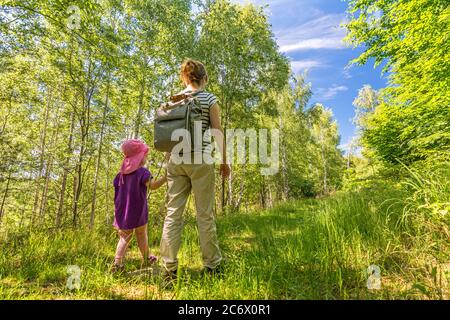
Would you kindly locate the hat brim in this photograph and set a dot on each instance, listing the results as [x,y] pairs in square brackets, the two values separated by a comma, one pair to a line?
[131,164]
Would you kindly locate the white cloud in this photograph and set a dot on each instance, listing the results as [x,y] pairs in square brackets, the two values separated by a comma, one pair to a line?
[312,44]
[300,65]
[346,73]
[320,33]
[329,93]
[272,3]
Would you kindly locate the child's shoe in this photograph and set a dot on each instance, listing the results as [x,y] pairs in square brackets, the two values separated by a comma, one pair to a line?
[117,268]
[151,260]
[169,276]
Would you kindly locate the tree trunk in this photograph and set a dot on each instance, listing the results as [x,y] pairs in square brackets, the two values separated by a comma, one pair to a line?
[5,121]
[48,169]
[62,195]
[263,194]
[84,125]
[241,191]
[5,195]
[284,172]
[270,200]
[324,160]
[225,127]
[43,206]
[22,217]
[78,179]
[137,125]
[107,213]
[230,191]
[246,205]
[99,157]
[41,159]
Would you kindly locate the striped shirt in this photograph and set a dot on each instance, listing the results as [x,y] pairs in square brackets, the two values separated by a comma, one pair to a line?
[207,100]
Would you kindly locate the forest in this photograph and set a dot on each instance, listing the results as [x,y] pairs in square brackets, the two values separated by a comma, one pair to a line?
[79,77]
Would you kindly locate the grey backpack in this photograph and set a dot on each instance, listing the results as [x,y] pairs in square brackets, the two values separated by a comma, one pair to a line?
[181,112]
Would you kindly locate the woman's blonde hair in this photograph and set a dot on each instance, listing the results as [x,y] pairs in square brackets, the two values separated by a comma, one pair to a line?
[193,71]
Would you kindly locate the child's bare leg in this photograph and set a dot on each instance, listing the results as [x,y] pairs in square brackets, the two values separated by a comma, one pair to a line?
[142,240]
[122,246]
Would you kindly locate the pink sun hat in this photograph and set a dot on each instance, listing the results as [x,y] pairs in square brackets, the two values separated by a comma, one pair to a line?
[134,151]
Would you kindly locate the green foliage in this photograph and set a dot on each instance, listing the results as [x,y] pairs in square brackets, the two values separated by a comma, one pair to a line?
[72,95]
[311,163]
[328,158]
[411,38]
[308,249]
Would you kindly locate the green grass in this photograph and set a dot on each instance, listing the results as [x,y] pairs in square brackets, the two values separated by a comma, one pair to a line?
[308,249]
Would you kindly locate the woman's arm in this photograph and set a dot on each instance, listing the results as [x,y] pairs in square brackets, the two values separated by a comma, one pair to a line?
[216,125]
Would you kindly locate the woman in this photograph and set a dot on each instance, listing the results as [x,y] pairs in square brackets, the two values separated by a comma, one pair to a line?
[200,178]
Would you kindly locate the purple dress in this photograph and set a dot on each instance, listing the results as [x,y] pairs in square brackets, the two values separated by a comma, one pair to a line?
[130,199]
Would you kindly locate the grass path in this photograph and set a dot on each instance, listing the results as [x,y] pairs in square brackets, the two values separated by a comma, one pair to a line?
[310,249]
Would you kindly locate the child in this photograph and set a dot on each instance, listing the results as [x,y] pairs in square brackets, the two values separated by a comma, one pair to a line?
[130,201]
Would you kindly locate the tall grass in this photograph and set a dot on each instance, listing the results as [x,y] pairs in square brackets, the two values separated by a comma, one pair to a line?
[307,249]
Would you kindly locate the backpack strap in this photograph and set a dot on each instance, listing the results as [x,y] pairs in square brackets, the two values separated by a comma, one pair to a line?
[179,99]
[189,94]
[183,96]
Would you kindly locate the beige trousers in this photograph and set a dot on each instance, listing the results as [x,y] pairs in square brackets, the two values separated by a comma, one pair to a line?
[182,178]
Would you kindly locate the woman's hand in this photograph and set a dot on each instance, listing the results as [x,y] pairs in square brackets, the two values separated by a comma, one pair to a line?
[225,170]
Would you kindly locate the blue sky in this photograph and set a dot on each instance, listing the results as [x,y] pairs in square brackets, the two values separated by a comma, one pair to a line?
[309,33]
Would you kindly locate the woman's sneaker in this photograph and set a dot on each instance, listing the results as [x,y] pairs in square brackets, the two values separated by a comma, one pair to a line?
[217,271]
[169,276]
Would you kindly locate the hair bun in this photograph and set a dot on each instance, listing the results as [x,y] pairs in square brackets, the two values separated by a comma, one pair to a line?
[194,71]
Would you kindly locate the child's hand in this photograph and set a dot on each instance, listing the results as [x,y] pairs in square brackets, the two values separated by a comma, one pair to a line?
[154,185]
